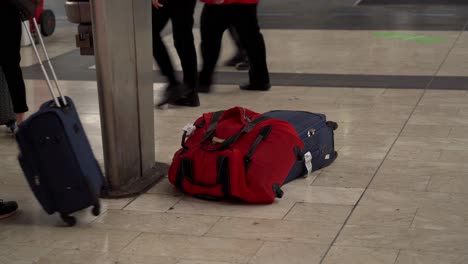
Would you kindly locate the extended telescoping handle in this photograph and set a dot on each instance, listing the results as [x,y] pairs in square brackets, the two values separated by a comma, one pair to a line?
[46,75]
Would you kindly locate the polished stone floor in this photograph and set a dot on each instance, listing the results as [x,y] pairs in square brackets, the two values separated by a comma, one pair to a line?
[398,193]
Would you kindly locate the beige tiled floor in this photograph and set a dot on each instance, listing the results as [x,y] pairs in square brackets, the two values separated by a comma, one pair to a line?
[397,193]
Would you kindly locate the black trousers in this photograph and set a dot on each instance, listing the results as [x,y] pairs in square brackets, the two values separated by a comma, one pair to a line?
[215,20]
[180,12]
[235,37]
[10,45]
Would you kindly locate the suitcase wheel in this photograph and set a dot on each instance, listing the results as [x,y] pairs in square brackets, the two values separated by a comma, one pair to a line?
[47,22]
[68,219]
[11,125]
[96,209]
[332,125]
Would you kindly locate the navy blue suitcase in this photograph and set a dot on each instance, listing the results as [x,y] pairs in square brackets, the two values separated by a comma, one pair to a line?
[57,159]
[318,136]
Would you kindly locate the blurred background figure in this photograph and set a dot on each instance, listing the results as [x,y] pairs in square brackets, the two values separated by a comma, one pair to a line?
[10,45]
[216,17]
[180,12]
[239,60]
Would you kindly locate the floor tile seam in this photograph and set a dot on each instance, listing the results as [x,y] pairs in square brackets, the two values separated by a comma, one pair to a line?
[129,202]
[151,232]
[398,255]
[217,215]
[129,243]
[289,210]
[287,240]
[377,170]
[414,218]
[413,249]
[435,75]
[286,220]
[316,177]
[256,252]
[205,234]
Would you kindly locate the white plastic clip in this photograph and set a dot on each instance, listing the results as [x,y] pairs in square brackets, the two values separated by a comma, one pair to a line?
[308,163]
[189,128]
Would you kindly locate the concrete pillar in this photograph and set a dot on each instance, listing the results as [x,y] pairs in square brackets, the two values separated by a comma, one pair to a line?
[123,52]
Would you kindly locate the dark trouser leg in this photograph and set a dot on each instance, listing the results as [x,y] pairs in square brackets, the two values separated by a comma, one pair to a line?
[240,55]
[214,21]
[14,78]
[236,39]
[182,26]
[246,24]
[159,21]
[11,27]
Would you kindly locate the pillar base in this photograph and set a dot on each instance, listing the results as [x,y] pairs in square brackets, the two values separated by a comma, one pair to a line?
[142,185]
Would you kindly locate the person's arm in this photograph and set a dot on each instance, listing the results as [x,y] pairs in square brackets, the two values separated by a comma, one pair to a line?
[157,4]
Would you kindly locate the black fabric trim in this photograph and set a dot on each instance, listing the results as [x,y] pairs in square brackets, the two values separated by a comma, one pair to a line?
[277,190]
[223,175]
[298,152]
[184,137]
[247,128]
[184,172]
[262,136]
[201,124]
[215,117]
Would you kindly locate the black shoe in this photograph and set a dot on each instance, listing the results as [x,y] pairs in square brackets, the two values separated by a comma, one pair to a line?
[243,66]
[172,93]
[238,58]
[204,88]
[252,87]
[7,209]
[191,100]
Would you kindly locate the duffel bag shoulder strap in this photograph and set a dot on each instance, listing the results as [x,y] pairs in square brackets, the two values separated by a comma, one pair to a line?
[247,128]
[215,117]
[224,144]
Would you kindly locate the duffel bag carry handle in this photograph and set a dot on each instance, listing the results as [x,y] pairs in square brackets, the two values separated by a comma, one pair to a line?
[224,144]
[215,117]
[46,75]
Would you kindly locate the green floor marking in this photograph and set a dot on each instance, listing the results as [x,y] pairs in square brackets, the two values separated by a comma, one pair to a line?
[410,37]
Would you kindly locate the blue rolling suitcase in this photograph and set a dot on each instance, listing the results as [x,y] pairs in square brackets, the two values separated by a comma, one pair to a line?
[318,136]
[56,156]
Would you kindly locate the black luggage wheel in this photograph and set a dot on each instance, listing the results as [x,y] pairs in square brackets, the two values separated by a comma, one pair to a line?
[68,219]
[332,125]
[47,22]
[11,125]
[96,209]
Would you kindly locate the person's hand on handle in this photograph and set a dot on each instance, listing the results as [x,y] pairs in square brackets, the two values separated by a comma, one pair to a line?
[157,4]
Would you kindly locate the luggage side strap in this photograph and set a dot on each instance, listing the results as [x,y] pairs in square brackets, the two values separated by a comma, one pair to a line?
[185,171]
[215,117]
[261,137]
[223,175]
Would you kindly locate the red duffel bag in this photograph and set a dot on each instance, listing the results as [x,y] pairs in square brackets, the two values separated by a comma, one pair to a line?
[235,154]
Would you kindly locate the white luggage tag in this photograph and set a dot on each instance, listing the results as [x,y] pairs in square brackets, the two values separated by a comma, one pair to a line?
[189,128]
[308,163]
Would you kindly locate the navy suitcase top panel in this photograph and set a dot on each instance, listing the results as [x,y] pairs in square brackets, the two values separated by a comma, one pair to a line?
[300,120]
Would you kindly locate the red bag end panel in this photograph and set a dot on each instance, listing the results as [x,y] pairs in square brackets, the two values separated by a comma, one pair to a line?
[270,162]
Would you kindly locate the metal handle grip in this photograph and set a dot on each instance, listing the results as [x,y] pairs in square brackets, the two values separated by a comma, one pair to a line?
[44,71]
